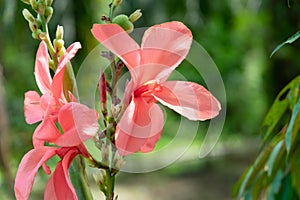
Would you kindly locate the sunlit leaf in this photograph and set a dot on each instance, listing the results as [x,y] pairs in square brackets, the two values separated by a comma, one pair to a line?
[279,107]
[290,129]
[290,40]
[275,185]
[273,157]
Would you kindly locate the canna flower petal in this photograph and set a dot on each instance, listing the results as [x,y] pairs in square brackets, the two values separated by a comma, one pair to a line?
[188,99]
[165,46]
[59,186]
[32,109]
[140,125]
[57,85]
[45,132]
[78,122]
[28,168]
[115,39]
[42,73]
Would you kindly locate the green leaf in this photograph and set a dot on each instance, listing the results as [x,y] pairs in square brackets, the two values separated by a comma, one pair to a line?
[295,172]
[277,149]
[290,40]
[79,179]
[290,131]
[276,184]
[281,104]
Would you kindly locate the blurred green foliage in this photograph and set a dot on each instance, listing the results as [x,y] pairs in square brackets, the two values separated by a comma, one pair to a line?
[238,34]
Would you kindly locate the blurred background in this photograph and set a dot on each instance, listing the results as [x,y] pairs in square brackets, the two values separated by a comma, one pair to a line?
[238,34]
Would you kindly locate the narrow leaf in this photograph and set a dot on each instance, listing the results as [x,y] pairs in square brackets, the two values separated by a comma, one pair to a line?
[288,136]
[290,40]
[273,157]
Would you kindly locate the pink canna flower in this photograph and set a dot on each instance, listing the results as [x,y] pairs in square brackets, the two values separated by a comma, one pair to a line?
[47,106]
[36,108]
[163,48]
[79,123]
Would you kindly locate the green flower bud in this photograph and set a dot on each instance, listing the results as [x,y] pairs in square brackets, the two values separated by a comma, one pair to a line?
[117,2]
[49,2]
[59,32]
[34,4]
[33,26]
[36,34]
[41,8]
[58,44]
[28,16]
[135,15]
[124,22]
[48,13]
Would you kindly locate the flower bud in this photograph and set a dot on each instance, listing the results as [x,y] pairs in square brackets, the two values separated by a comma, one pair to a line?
[117,2]
[28,16]
[48,13]
[59,32]
[135,15]
[49,2]
[41,8]
[34,4]
[124,22]
[36,34]
[118,161]
[58,45]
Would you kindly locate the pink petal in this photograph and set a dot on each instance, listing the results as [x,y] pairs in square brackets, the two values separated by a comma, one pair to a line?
[59,186]
[42,73]
[45,132]
[166,45]
[140,125]
[115,39]
[57,85]
[32,108]
[28,168]
[78,122]
[188,99]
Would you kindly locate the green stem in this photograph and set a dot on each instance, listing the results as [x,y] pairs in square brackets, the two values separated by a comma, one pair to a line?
[110,184]
[48,40]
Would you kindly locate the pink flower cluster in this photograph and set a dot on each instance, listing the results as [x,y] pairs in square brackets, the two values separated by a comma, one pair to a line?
[66,124]
[77,122]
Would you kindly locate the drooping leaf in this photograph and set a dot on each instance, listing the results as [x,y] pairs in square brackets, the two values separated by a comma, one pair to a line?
[282,103]
[276,151]
[291,131]
[275,185]
[290,40]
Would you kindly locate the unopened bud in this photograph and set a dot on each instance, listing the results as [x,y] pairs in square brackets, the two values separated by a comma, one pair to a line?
[58,45]
[104,153]
[48,13]
[36,34]
[28,16]
[59,32]
[41,8]
[49,2]
[135,15]
[118,161]
[124,22]
[43,36]
[33,26]
[34,4]
[117,2]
